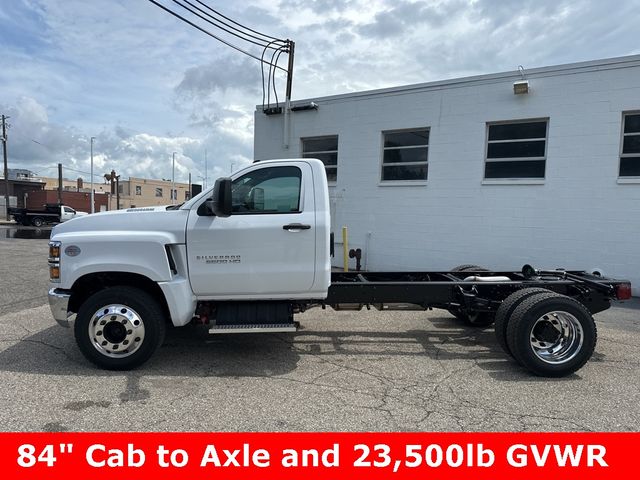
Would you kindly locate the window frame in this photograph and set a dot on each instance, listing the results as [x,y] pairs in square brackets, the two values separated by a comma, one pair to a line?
[627,178]
[414,182]
[138,189]
[336,151]
[520,179]
[159,189]
[300,194]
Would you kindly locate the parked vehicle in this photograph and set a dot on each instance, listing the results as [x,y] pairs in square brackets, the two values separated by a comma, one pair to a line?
[50,213]
[252,252]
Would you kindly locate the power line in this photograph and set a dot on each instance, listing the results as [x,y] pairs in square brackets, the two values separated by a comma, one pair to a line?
[206,32]
[271,75]
[267,42]
[268,37]
[276,55]
[261,41]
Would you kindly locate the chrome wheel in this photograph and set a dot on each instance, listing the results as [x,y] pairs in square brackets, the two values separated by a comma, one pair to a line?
[556,337]
[116,331]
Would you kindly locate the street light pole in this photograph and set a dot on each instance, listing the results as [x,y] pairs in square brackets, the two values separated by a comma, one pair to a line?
[205,169]
[6,169]
[173,179]
[92,198]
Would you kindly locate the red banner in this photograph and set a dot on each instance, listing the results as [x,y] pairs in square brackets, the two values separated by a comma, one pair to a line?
[321,456]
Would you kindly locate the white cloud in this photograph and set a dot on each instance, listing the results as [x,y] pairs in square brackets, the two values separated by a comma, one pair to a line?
[146,85]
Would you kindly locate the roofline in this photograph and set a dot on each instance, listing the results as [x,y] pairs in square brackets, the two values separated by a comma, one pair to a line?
[538,72]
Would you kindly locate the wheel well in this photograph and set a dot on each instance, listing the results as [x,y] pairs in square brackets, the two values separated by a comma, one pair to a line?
[91,283]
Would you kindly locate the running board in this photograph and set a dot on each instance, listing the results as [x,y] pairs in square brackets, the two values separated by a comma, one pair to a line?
[257,328]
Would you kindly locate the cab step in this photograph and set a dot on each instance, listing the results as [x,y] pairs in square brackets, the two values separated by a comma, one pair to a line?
[255,328]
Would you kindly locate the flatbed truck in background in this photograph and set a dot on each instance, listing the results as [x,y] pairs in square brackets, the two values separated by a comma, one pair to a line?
[252,252]
[49,213]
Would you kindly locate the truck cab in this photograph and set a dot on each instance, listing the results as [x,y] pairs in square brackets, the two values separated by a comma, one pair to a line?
[255,245]
[67,213]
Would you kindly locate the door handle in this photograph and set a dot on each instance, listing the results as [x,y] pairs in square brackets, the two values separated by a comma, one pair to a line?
[296,226]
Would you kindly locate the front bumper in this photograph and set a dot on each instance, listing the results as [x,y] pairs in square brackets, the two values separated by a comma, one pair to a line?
[59,302]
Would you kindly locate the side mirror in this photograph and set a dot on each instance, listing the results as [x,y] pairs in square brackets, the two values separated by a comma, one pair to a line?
[221,198]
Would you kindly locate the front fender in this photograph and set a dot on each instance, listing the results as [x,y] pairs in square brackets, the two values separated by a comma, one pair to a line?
[132,252]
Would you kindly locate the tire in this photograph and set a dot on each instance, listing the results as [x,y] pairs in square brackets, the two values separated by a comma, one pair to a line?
[473,318]
[539,346]
[37,221]
[469,267]
[506,309]
[101,336]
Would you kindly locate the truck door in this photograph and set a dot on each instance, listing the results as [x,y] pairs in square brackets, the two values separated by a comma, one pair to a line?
[266,248]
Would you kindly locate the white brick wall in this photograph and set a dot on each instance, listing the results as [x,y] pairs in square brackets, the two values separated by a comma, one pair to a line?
[579,218]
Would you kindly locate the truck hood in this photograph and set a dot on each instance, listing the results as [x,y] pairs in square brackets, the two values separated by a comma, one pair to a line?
[168,223]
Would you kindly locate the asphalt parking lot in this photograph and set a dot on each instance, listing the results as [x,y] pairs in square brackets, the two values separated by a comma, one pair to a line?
[344,371]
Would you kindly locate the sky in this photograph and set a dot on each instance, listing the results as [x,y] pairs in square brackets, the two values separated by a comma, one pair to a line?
[146,85]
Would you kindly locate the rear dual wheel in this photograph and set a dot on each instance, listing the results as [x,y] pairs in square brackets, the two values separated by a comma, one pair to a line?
[549,334]
[506,309]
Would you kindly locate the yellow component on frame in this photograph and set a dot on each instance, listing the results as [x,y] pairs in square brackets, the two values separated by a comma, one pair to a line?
[345,249]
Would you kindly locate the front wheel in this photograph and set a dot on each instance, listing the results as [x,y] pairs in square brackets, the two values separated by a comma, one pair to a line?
[37,221]
[119,328]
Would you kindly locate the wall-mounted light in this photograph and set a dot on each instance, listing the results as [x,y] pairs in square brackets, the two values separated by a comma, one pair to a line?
[521,87]
[309,106]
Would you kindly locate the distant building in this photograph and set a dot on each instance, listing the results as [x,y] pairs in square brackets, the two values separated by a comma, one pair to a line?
[144,192]
[540,166]
[21,182]
[134,192]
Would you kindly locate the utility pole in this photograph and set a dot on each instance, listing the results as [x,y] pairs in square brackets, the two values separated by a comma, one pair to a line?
[292,45]
[173,179]
[6,168]
[60,184]
[205,169]
[92,199]
[287,101]
[117,192]
[189,185]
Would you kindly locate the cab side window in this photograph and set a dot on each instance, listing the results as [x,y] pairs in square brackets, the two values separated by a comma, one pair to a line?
[267,190]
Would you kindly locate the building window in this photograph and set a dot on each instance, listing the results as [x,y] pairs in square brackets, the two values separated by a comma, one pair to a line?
[158,191]
[516,150]
[324,149]
[138,189]
[630,156]
[174,194]
[187,195]
[405,155]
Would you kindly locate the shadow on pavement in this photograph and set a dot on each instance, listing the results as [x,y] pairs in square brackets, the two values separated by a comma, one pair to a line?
[190,351]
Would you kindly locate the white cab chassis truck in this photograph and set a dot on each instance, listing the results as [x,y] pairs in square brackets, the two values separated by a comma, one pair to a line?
[250,253]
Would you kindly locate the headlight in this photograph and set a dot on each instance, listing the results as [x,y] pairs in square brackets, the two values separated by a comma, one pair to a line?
[54,261]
